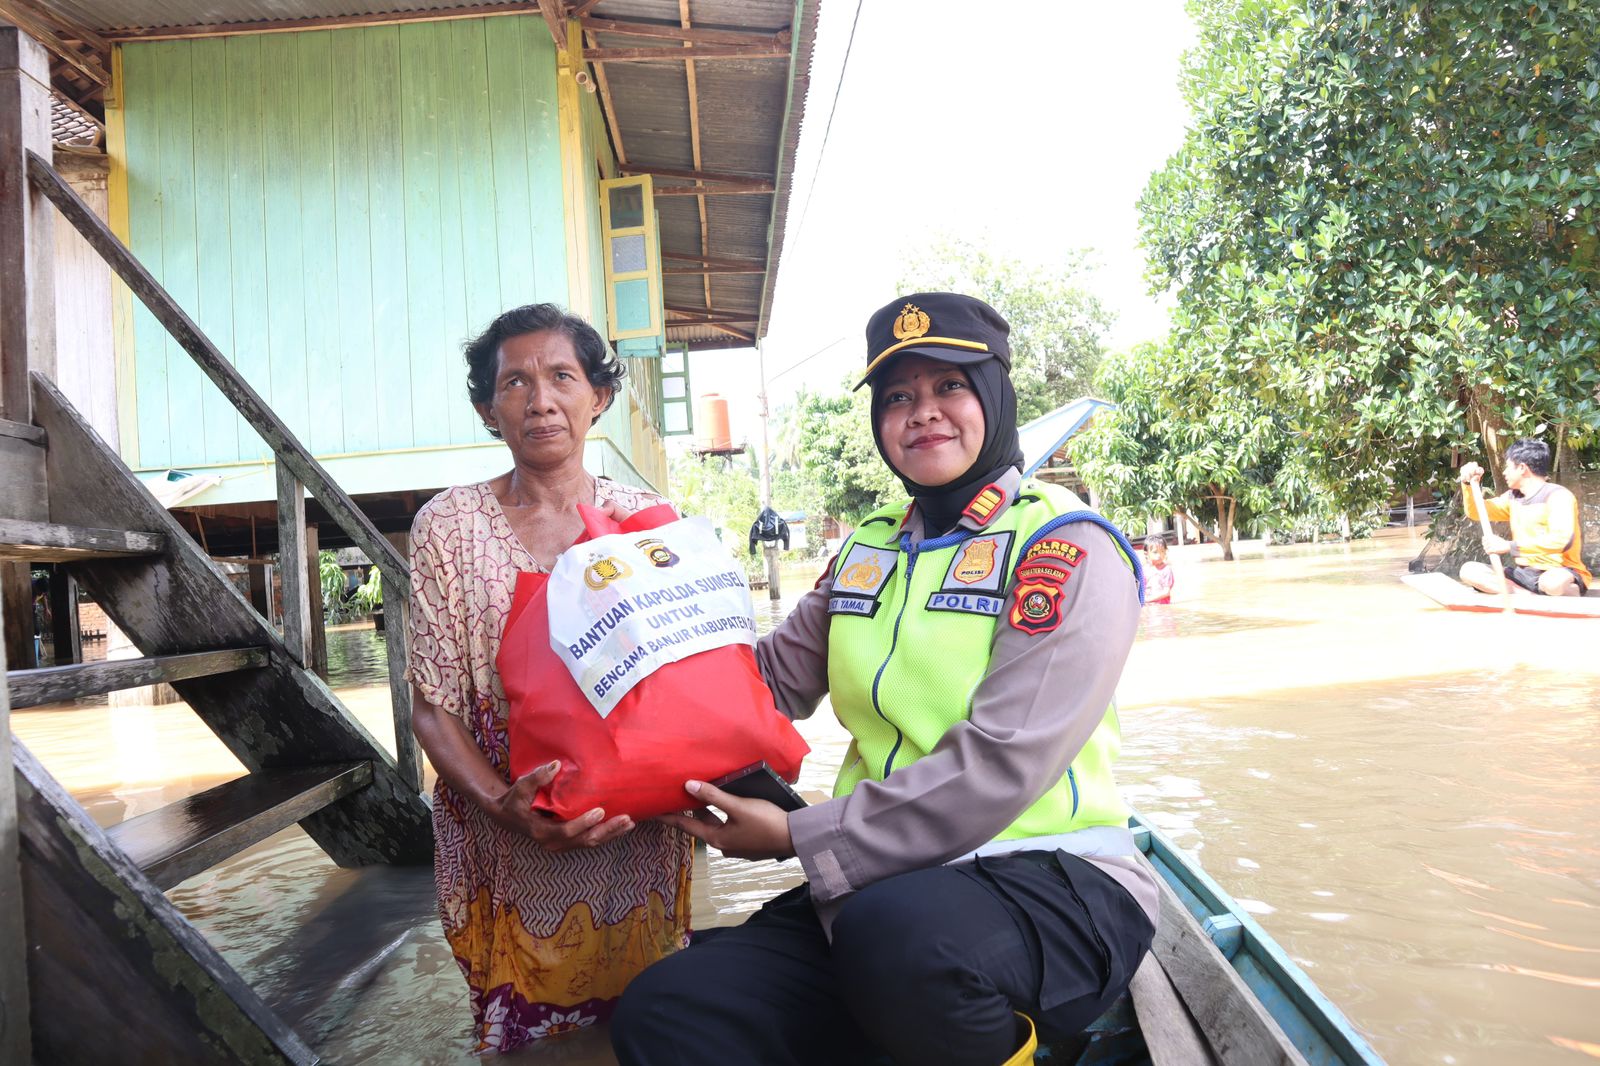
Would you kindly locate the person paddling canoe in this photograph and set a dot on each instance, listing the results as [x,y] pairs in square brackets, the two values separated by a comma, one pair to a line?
[1546,544]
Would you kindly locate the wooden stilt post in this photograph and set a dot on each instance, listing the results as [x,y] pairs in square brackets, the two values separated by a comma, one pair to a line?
[27,342]
[291,549]
[15,1045]
[261,589]
[27,289]
[406,753]
[64,617]
[317,636]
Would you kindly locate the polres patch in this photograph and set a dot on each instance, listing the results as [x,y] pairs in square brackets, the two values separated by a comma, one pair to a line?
[1036,606]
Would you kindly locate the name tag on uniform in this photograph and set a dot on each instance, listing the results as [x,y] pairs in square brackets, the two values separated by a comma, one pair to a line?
[860,580]
[966,603]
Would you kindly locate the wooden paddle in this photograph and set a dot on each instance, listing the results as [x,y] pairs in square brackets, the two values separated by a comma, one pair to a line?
[1488,531]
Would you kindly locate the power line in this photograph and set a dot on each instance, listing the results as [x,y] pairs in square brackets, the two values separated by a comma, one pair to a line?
[828,129]
[807,359]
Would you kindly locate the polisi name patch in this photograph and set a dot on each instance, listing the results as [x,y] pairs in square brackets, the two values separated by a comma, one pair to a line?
[860,578]
[967,603]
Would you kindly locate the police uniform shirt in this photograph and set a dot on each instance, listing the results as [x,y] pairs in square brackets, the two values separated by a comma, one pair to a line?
[1043,695]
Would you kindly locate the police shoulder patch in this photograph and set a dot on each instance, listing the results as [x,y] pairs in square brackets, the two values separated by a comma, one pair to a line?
[1036,606]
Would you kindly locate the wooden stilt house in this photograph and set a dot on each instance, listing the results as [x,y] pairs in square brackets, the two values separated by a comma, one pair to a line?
[248,258]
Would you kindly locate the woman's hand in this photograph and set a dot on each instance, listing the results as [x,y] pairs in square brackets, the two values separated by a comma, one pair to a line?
[754,828]
[513,809]
[615,511]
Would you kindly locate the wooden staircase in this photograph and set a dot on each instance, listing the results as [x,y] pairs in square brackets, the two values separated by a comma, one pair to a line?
[100,933]
[96,964]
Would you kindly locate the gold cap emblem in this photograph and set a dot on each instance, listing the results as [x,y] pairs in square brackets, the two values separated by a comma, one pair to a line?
[911,324]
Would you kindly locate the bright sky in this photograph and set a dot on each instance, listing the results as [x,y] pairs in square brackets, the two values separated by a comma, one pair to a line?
[1034,143]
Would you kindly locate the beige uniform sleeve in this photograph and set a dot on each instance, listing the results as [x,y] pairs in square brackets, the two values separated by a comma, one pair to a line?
[1031,714]
[794,657]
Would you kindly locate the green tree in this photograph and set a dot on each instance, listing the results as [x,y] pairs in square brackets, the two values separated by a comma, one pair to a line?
[726,491]
[1056,322]
[838,456]
[1182,441]
[1382,225]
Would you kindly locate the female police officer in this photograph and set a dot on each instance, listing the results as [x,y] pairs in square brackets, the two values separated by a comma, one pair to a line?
[975,859]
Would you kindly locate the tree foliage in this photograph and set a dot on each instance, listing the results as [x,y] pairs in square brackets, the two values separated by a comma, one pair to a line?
[837,455]
[1056,322]
[1382,223]
[1184,440]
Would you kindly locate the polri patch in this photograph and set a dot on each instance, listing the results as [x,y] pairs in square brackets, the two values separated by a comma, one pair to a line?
[985,604]
[980,564]
[860,579]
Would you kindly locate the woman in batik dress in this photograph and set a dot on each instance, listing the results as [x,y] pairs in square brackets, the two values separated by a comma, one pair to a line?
[549,920]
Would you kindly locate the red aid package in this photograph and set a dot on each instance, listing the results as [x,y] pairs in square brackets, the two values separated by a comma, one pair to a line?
[633,663]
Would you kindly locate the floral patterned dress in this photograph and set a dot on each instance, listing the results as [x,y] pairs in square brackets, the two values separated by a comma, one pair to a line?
[547,941]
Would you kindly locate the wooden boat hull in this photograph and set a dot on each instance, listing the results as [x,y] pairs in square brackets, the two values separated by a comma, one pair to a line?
[1214,989]
[1452,595]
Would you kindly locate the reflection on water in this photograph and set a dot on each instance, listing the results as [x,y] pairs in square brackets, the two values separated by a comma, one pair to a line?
[1404,796]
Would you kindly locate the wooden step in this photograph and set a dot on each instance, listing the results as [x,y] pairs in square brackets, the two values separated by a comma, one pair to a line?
[22,431]
[55,684]
[43,542]
[184,838]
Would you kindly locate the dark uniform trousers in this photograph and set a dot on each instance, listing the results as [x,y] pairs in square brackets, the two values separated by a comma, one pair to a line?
[926,968]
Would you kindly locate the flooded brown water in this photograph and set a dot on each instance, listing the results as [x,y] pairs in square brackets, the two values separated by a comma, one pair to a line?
[1405,797]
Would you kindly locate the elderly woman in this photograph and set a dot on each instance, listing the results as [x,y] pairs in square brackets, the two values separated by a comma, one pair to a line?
[548,920]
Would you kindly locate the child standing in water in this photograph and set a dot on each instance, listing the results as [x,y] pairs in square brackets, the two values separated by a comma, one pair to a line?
[1157,571]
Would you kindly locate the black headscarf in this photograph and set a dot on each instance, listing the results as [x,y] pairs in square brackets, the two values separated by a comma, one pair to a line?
[941,505]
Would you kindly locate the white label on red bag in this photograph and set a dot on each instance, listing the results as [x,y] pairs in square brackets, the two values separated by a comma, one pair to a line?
[624,605]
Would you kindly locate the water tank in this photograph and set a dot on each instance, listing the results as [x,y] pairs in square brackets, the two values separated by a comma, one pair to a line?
[711,424]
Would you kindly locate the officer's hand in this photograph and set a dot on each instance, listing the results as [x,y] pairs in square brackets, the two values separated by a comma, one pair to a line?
[1495,545]
[1470,472]
[754,828]
[513,809]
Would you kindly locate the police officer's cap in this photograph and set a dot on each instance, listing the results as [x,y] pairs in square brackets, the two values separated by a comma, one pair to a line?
[944,325]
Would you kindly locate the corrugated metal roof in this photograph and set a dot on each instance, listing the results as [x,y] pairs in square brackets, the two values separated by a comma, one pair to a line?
[749,113]
[110,16]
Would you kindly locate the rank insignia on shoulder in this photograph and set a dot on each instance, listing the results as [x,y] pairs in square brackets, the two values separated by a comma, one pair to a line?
[1036,607]
[984,504]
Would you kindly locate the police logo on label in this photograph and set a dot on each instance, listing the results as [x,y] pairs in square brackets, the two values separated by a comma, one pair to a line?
[975,562]
[602,572]
[980,565]
[860,579]
[657,552]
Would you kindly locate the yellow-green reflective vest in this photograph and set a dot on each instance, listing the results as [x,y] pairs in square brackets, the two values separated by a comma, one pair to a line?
[909,639]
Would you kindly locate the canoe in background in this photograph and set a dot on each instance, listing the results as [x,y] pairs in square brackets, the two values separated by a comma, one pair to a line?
[1453,595]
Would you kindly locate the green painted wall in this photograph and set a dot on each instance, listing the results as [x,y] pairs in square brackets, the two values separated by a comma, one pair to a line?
[339,210]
